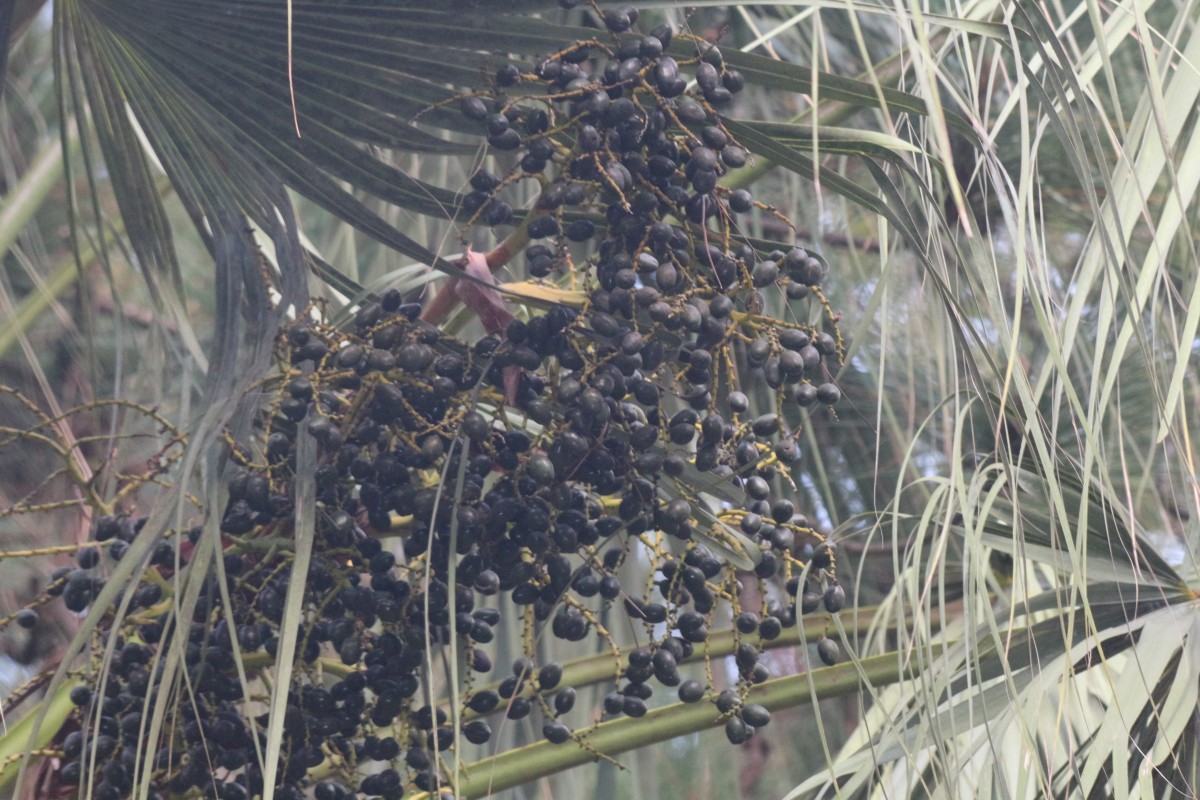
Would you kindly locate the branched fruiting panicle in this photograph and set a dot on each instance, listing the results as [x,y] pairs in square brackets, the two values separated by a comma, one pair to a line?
[452,477]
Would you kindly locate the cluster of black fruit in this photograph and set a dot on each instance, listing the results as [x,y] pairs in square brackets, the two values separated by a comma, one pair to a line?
[523,468]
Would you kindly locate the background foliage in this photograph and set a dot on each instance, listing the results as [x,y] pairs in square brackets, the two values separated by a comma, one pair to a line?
[1006,194]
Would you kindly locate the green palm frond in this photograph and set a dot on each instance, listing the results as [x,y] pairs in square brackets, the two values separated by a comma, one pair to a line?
[226,98]
[1039,671]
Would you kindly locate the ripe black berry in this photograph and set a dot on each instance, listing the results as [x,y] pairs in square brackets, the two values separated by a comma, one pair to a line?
[691,691]
[477,732]
[556,732]
[736,730]
[828,651]
[835,598]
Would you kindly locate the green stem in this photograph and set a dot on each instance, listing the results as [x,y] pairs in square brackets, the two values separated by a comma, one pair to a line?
[527,764]
[15,213]
[52,712]
[31,192]
[62,277]
[34,304]
[594,669]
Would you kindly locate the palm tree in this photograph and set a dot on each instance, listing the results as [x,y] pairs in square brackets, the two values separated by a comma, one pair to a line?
[1006,197]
